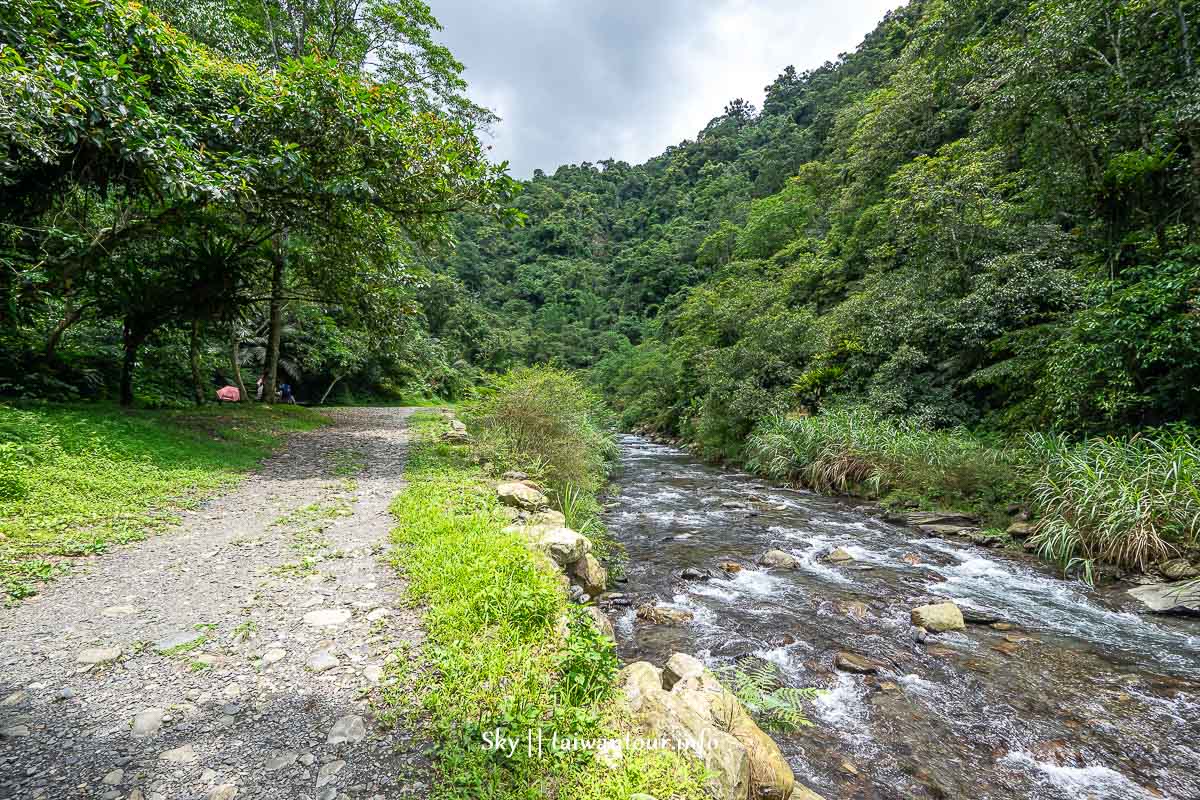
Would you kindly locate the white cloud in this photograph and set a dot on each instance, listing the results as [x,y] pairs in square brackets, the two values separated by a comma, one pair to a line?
[584,80]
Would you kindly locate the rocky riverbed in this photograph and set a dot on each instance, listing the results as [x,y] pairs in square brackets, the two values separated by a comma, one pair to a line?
[1046,690]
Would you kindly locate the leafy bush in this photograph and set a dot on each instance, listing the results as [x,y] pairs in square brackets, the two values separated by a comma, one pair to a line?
[546,422]
[858,451]
[1125,501]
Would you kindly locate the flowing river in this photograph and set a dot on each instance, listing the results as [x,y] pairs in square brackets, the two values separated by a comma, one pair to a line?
[1074,695]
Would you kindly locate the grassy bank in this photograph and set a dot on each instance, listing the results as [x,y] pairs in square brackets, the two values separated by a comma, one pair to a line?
[1126,502]
[497,656]
[75,480]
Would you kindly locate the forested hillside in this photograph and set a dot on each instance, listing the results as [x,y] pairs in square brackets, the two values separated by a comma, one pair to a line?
[987,214]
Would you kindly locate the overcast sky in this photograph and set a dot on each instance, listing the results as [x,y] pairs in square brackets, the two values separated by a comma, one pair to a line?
[585,80]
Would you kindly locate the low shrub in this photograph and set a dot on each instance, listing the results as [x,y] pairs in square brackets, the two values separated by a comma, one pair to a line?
[546,422]
[1124,501]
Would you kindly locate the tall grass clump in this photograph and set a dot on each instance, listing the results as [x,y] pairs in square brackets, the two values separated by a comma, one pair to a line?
[504,650]
[1124,501]
[546,422]
[860,452]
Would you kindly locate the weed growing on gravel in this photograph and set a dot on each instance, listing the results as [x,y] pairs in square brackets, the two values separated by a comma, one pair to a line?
[76,480]
[497,656]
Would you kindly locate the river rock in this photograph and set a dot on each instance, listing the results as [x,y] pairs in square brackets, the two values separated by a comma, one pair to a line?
[1178,569]
[514,475]
[98,655]
[939,617]
[1169,598]
[732,567]
[949,519]
[777,559]
[591,576]
[853,662]
[563,545]
[522,496]
[839,556]
[974,616]
[658,615]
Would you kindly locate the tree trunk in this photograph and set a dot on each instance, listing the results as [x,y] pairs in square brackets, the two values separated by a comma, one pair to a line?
[194,360]
[71,315]
[321,402]
[132,340]
[271,367]
[235,361]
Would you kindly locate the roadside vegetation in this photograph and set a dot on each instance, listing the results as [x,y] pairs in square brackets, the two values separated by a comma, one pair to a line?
[498,657]
[76,480]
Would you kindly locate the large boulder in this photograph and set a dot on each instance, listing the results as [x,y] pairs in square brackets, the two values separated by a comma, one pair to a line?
[522,496]
[548,516]
[839,555]
[1178,569]
[563,545]
[1169,598]
[778,559]
[1021,529]
[681,667]
[939,617]
[590,575]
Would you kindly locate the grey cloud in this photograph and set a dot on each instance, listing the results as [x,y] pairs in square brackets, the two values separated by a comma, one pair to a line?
[585,80]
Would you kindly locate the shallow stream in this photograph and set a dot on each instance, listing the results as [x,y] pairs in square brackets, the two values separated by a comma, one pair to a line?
[1079,696]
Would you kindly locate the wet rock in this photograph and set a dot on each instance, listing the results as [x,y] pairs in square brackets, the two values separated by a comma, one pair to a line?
[853,608]
[658,615]
[591,576]
[852,662]
[839,556]
[1002,626]
[920,635]
[1006,648]
[778,559]
[601,621]
[98,655]
[939,617]
[1169,598]
[693,574]
[1178,569]
[522,496]
[974,616]
[734,505]
[732,567]
[949,519]
[1020,530]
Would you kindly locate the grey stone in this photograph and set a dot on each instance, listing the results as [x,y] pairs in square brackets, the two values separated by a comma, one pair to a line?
[115,777]
[98,655]
[328,772]
[226,791]
[147,723]
[349,729]
[183,754]
[321,661]
[280,760]
[1169,598]
[273,655]
[327,617]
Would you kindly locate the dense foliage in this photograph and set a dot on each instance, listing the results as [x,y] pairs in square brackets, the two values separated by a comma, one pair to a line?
[988,214]
[174,197]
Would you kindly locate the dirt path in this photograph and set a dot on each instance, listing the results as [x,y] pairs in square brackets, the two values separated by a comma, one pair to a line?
[231,657]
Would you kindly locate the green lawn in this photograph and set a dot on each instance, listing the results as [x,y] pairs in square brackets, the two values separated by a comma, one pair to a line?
[76,479]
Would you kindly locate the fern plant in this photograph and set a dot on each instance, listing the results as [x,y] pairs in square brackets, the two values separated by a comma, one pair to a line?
[777,708]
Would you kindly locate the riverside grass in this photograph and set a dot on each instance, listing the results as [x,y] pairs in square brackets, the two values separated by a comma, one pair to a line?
[77,479]
[496,656]
[1124,501]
